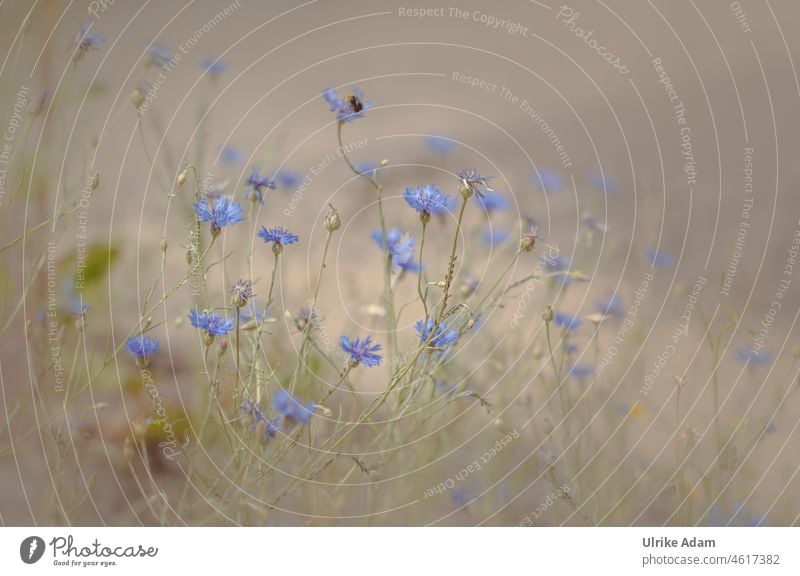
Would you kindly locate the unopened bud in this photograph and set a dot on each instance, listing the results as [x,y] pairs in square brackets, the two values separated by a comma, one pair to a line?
[182,177]
[332,220]
[548,314]
[527,243]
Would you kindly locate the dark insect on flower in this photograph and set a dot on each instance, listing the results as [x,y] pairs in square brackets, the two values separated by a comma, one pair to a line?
[361,351]
[291,408]
[428,200]
[472,182]
[400,248]
[256,414]
[278,236]
[350,107]
[142,348]
[259,184]
[86,41]
[441,338]
[221,213]
[241,292]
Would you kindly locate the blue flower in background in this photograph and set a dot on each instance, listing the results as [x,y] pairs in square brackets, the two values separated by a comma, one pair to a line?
[603,184]
[349,108]
[278,236]
[494,236]
[231,156]
[611,307]
[559,267]
[440,144]
[142,347]
[291,408]
[441,337]
[213,323]
[659,258]
[567,321]
[159,55]
[581,371]
[429,200]
[86,41]
[254,411]
[463,495]
[259,185]
[400,247]
[77,307]
[361,351]
[289,179]
[221,213]
[493,202]
[549,181]
[367,168]
[214,67]
[752,357]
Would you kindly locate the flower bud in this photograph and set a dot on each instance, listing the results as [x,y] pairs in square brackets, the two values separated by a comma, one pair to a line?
[332,221]
[527,243]
[548,314]
[182,177]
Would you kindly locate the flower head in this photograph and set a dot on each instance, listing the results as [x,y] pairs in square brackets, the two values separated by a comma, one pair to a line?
[400,247]
[472,182]
[349,108]
[428,200]
[271,427]
[291,408]
[221,213]
[463,495]
[241,292]
[440,144]
[566,321]
[289,179]
[214,67]
[259,184]
[86,41]
[603,183]
[441,338]
[142,348]
[581,371]
[610,307]
[231,156]
[659,258]
[278,236]
[213,323]
[361,351]
[752,357]
[492,202]
[548,180]
[159,55]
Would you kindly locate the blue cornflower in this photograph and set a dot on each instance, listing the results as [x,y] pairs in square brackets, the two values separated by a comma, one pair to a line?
[361,351]
[367,168]
[159,55]
[400,247]
[570,348]
[279,237]
[463,495]
[549,181]
[611,307]
[428,200]
[291,408]
[223,212]
[213,323]
[440,144]
[603,183]
[214,67]
[441,337]
[348,108]
[566,321]
[142,348]
[493,202]
[254,411]
[752,357]
[659,258]
[493,236]
[289,178]
[231,156]
[86,40]
[78,307]
[581,371]
[472,182]
[259,184]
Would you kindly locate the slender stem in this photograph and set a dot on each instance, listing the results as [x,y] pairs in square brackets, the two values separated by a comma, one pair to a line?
[451,264]
[422,296]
